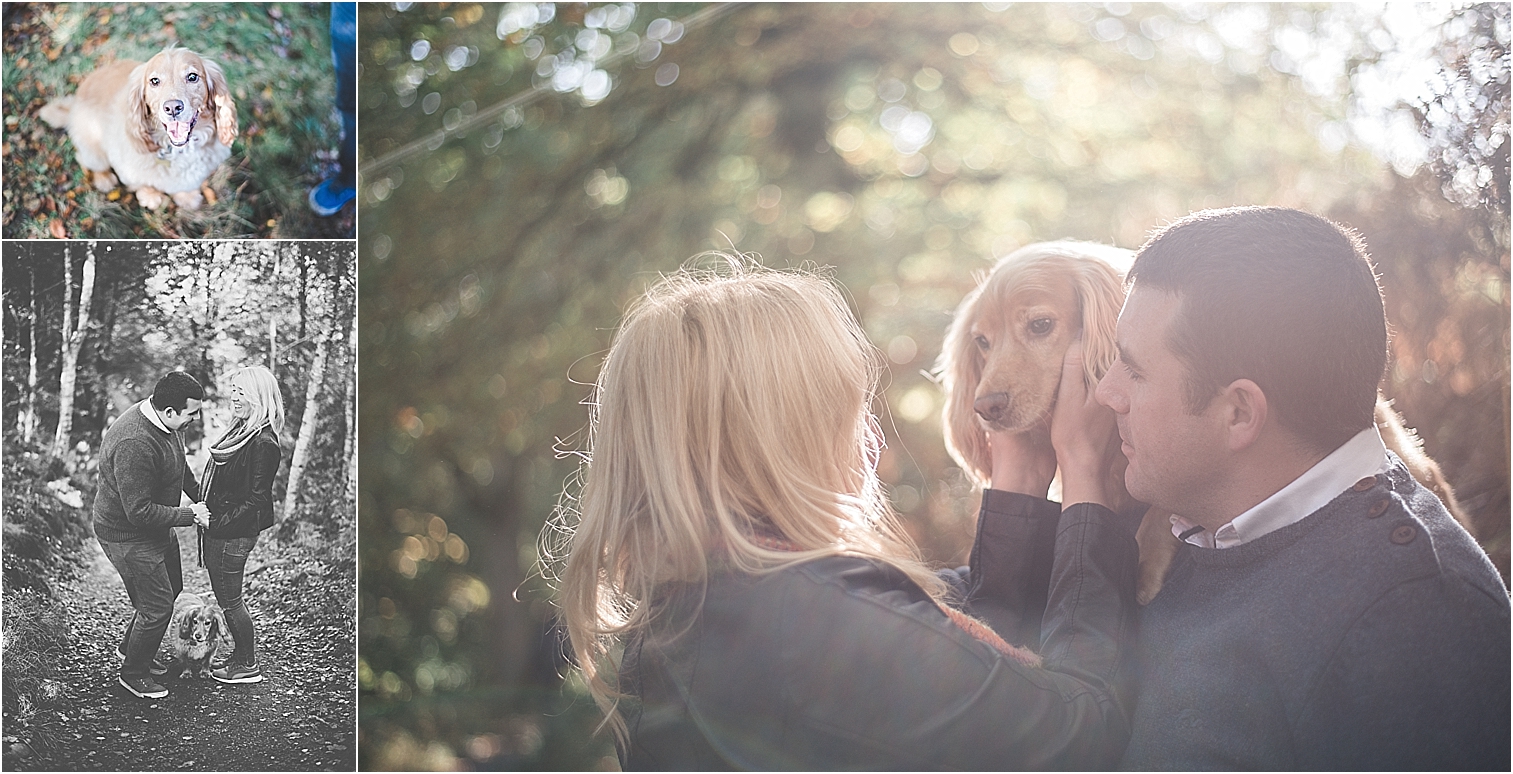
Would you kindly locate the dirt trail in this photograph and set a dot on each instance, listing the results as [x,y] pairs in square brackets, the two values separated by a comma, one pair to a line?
[300,718]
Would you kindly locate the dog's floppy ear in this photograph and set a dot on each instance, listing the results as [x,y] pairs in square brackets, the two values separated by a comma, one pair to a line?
[960,369]
[217,622]
[186,623]
[1101,291]
[225,107]
[141,124]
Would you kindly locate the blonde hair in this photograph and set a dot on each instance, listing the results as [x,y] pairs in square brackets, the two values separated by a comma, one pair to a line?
[263,395]
[733,406]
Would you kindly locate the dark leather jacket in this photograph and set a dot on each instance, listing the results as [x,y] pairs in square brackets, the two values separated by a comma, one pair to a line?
[241,494]
[843,663]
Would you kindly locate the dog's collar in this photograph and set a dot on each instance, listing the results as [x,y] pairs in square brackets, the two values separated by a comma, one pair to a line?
[169,152]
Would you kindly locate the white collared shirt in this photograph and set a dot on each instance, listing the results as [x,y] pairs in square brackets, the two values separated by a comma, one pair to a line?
[1361,456]
[152,416]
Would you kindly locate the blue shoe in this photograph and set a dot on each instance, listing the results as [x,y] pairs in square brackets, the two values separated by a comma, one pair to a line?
[329,197]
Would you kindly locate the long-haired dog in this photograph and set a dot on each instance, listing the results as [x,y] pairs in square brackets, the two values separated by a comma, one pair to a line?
[159,127]
[1000,367]
[196,634]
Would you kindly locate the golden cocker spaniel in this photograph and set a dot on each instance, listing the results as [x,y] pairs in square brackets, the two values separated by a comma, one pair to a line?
[159,127]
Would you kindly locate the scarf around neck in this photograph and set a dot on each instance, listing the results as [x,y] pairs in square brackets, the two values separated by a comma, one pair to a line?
[236,437]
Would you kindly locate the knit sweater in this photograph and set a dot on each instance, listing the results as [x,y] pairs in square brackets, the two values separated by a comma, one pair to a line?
[142,472]
[1372,634]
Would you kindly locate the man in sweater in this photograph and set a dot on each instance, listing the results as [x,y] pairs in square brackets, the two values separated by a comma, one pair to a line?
[1325,612]
[142,476]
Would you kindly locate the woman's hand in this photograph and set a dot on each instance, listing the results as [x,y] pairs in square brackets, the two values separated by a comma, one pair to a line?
[201,514]
[1084,436]
[1022,462]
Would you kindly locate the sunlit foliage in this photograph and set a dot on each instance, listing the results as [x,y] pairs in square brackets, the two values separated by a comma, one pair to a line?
[529,168]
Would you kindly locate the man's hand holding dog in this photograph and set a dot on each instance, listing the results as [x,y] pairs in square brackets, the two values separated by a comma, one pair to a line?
[1084,436]
[201,514]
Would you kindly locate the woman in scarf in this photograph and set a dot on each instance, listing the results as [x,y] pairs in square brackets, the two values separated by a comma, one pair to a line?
[238,487]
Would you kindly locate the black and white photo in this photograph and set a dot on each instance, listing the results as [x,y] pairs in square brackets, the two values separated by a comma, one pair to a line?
[179,488]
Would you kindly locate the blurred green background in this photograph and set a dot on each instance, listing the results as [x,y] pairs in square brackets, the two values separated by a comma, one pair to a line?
[529,168]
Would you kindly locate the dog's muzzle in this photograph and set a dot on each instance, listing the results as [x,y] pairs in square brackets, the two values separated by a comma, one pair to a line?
[178,129]
[992,408]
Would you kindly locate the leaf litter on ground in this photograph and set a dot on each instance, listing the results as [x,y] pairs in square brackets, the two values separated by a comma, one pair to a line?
[198,716]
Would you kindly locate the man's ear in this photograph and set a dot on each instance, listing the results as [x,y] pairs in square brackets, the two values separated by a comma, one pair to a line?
[1244,413]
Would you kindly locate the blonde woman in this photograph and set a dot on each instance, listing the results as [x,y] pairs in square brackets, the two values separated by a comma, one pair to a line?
[738,594]
[238,487]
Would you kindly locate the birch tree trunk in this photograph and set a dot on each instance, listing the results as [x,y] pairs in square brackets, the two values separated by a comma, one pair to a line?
[29,418]
[73,337]
[306,425]
[349,448]
[104,340]
[273,318]
[304,280]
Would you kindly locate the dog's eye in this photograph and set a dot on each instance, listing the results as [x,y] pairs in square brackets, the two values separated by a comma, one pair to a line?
[192,77]
[982,342]
[154,80]
[1042,326]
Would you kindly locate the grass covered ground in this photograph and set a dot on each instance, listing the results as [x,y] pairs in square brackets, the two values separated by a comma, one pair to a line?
[277,60]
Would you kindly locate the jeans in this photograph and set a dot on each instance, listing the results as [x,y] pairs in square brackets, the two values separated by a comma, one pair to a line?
[153,576]
[226,561]
[344,57]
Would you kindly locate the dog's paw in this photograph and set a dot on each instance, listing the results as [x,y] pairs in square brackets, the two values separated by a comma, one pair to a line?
[1147,587]
[1158,547]
[104,182]
[151,198]
[189,200]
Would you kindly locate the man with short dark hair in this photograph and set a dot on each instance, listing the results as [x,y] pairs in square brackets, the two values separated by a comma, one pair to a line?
[1325,611]
[142,473]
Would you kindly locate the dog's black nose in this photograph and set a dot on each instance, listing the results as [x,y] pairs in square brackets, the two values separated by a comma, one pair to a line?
[992,407]
[173,107]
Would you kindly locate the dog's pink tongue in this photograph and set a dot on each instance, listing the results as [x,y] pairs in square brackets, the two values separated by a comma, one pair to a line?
[178,131]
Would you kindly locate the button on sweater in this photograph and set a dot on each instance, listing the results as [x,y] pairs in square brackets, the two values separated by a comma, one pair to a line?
[142,472]
[1372,634]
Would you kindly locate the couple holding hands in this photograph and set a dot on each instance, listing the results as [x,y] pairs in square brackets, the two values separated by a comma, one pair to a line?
[739,595]
[143,478]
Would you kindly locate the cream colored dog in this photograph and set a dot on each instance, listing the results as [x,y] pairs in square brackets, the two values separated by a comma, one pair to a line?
[159,127]
[1000,367]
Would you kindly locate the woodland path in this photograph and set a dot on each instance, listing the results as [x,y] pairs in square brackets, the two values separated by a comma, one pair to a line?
[300,718]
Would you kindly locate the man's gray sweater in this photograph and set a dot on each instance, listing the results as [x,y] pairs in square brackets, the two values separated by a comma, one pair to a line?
[142,471]
[1372,634]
